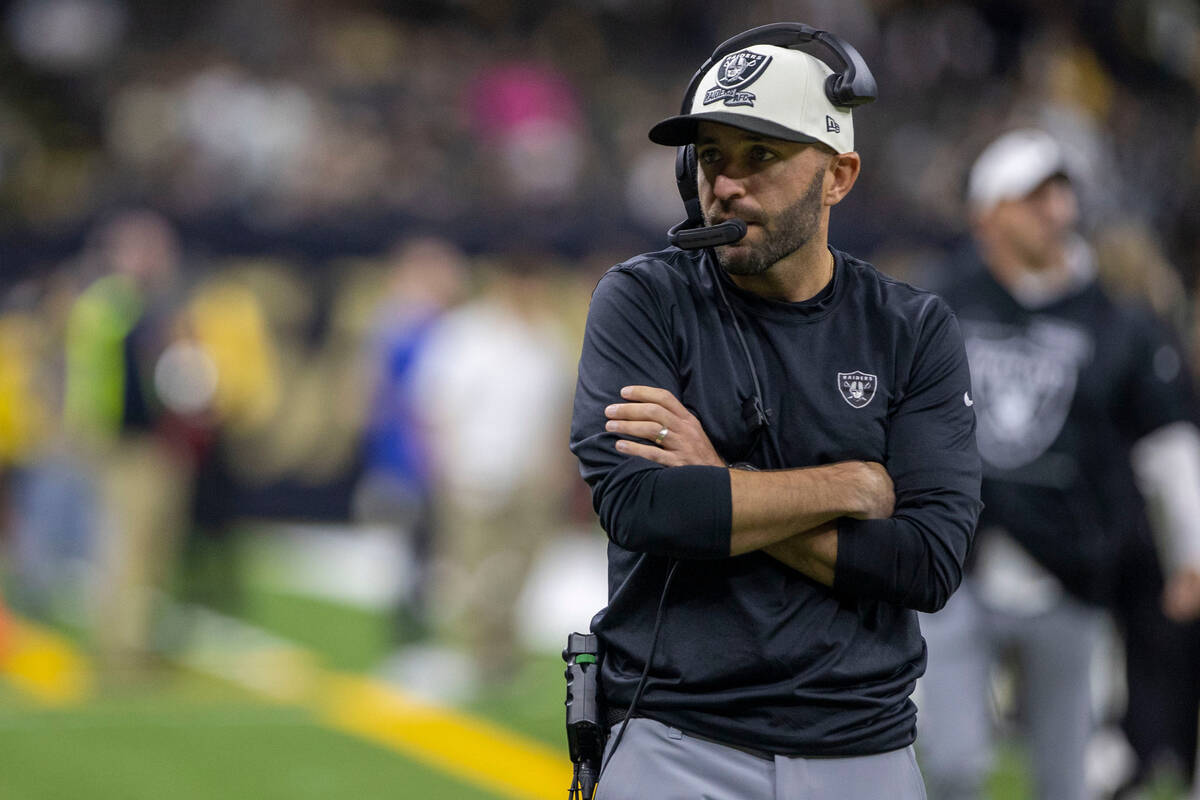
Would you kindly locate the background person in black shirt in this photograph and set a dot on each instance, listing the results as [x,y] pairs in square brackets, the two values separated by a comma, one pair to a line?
[1074,396]
[789,643]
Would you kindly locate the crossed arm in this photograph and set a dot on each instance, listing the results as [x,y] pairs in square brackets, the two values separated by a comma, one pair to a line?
[788,514]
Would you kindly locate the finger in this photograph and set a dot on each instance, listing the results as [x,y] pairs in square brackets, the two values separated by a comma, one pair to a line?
[646,451]
[652,394]
[643,430]
[647,412]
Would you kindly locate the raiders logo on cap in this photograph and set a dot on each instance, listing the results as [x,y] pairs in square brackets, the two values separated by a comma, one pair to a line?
[736,72]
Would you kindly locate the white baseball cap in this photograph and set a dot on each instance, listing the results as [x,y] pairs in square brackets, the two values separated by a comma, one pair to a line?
[1012,166]
[766,89]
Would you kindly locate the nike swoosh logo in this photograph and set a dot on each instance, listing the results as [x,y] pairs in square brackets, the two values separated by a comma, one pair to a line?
[967,399]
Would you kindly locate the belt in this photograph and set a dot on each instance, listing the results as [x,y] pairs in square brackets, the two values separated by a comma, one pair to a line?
[614,717]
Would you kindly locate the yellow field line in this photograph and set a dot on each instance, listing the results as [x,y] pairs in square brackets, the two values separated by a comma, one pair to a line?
[47,666]
[44,664]
[484,754]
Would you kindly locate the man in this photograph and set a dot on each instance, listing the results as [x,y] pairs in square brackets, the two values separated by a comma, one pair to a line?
[427,276]
[489,389]
[119,331]
[1065,383]
[787,642]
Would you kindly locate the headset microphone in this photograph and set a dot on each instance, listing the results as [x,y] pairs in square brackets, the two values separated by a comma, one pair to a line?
[727,232]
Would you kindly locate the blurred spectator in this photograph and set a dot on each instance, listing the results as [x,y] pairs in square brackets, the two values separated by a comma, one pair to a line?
[425,277]
[119,330]
[226,373]
[1075,394]
[49,497]
[528,117]
[492,385]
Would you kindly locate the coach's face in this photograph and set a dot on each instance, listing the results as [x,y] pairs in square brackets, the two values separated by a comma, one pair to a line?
[782,190]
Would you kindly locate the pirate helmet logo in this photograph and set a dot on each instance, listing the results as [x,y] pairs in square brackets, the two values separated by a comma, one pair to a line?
[740,68]
[857,388]
[737,71]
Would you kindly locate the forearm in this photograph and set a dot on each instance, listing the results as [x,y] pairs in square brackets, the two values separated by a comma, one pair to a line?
[914,559]
[812,553]
[682,512]
[760,508]
[771,507]
[1167,465]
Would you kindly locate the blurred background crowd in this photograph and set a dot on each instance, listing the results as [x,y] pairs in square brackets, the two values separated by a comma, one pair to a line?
[328,262]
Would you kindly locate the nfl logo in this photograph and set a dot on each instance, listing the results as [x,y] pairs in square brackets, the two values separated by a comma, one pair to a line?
[857,388]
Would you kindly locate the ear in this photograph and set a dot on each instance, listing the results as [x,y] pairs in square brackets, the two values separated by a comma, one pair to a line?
[843,172]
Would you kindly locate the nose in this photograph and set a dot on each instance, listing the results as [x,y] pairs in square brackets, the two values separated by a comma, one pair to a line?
[726,188]
[1059,204]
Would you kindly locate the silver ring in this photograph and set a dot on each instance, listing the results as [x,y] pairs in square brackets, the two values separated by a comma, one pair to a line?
[662,434]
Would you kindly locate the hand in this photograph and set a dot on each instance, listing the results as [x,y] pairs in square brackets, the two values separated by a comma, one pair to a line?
[1181,598]
[877,492]
[648,413]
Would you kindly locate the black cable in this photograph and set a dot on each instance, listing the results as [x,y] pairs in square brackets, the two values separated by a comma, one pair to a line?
[637,693]
[763,416]
[764,424]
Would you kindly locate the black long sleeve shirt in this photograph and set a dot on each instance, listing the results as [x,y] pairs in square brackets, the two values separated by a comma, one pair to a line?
[752,652]
[1064,391]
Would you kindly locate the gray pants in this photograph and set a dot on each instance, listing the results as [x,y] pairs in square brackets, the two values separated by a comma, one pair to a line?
[1053,652]
[656,761]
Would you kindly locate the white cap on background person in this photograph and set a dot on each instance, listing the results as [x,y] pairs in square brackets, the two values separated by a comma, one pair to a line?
[765,89]
[1013,166]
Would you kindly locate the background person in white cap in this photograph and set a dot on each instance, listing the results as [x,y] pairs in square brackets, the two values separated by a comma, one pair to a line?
[741,414]
[1064,382]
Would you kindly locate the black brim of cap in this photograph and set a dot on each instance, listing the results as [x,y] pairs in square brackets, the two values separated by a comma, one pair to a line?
[681,130]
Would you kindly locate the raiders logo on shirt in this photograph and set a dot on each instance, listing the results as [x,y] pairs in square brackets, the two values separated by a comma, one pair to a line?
[1024,380]
[857,388]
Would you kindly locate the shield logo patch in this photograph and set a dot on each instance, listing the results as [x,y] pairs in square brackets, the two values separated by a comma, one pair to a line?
[857,388]
[1024,380]
[736,72]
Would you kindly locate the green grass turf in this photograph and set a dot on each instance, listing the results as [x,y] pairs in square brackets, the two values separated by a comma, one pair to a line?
[173,741]
[531,705]
[191,738]
[347,638]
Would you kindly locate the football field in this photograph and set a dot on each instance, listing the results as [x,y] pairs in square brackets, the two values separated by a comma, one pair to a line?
[213,730]
[64,733]
[183,740]
[278,698]
[284,698]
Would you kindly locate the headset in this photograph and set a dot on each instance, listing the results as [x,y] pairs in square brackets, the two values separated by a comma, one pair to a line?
[850,85]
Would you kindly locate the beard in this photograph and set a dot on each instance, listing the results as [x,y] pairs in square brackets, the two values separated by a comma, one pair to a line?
[785,234]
